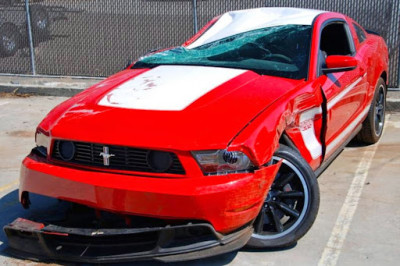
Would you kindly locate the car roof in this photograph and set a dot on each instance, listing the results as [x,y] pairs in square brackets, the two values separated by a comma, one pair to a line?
[235,22]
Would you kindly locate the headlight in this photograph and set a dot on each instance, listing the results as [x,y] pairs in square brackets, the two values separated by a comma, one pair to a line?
[42,140]
[222,161]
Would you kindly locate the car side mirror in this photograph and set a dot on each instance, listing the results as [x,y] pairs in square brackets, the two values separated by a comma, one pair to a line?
[339,63]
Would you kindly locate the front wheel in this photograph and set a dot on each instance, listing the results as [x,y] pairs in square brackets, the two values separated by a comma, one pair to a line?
[291,205]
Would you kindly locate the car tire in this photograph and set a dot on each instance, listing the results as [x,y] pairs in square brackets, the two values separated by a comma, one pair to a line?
[40,22]
[9,40]
[291,205]
[372,126]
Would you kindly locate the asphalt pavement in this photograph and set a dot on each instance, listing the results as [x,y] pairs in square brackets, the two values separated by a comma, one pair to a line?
[358,220]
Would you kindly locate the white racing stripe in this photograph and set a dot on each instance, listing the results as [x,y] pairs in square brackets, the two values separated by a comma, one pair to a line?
[339,232]
[168,88]
[308,132]
[307,124]
[337,98]
[339,139]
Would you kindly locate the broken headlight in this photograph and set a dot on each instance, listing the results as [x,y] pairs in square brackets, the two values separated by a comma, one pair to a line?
[222,161]
[42,140]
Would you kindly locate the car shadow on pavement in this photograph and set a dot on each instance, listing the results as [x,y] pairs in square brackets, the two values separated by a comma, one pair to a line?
[223,259]
[354,143]
[10,209]
[265,250]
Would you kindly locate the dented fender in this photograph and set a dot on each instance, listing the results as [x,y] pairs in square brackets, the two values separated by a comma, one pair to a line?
[293,114]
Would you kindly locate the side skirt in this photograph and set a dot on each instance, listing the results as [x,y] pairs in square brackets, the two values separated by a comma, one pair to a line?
[328,161]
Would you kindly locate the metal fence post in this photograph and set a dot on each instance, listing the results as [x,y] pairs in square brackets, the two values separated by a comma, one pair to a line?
[398,40]
[398,69]
[395,31]
[30,37]
[195,15]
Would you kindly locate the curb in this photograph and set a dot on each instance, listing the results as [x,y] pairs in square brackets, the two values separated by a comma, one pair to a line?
[393,100]
[392,105]
[40,91]
[45,85]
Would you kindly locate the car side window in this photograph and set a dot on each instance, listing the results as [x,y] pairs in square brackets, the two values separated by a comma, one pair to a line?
[360,33]
[335,40]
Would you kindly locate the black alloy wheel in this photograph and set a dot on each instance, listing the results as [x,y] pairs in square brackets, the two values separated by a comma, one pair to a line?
[291,205]
[285,202]
[380,110]
[372,127]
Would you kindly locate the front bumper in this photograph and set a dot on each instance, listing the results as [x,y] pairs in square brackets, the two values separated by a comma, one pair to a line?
[227,202]
[34,240]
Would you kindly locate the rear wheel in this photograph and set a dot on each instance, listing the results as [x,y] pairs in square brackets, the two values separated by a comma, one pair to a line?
[9,40]
[372,126]
[40,22]
[291,205]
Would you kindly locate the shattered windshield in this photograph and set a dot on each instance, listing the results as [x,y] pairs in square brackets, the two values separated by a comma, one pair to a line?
[281,51]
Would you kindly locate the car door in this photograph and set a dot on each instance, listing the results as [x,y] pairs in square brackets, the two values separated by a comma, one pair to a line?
[345,92]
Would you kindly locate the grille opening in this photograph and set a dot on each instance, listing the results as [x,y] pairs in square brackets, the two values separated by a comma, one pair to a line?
[121,158]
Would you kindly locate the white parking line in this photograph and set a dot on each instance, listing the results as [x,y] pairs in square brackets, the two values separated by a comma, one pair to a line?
[4,103]
[335,243]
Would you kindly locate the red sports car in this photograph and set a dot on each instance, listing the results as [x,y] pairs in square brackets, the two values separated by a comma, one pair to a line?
[201,149]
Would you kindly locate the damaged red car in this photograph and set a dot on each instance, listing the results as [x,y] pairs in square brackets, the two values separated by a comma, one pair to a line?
[200,149]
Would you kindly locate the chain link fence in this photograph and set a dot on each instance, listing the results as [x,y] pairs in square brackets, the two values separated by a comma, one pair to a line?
[99,37]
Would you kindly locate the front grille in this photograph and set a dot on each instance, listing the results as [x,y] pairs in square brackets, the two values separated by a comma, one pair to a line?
[126,158]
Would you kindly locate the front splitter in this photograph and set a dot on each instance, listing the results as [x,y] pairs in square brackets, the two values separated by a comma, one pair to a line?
[48,242]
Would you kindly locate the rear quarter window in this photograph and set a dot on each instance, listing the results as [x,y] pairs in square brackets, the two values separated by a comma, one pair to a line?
[360,33]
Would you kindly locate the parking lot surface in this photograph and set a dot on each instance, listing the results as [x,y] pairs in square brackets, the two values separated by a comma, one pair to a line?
[358,220]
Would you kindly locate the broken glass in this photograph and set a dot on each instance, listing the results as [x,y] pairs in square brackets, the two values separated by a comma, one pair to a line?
[281,51]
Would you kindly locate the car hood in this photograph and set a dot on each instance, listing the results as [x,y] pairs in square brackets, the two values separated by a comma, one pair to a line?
[167,107]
